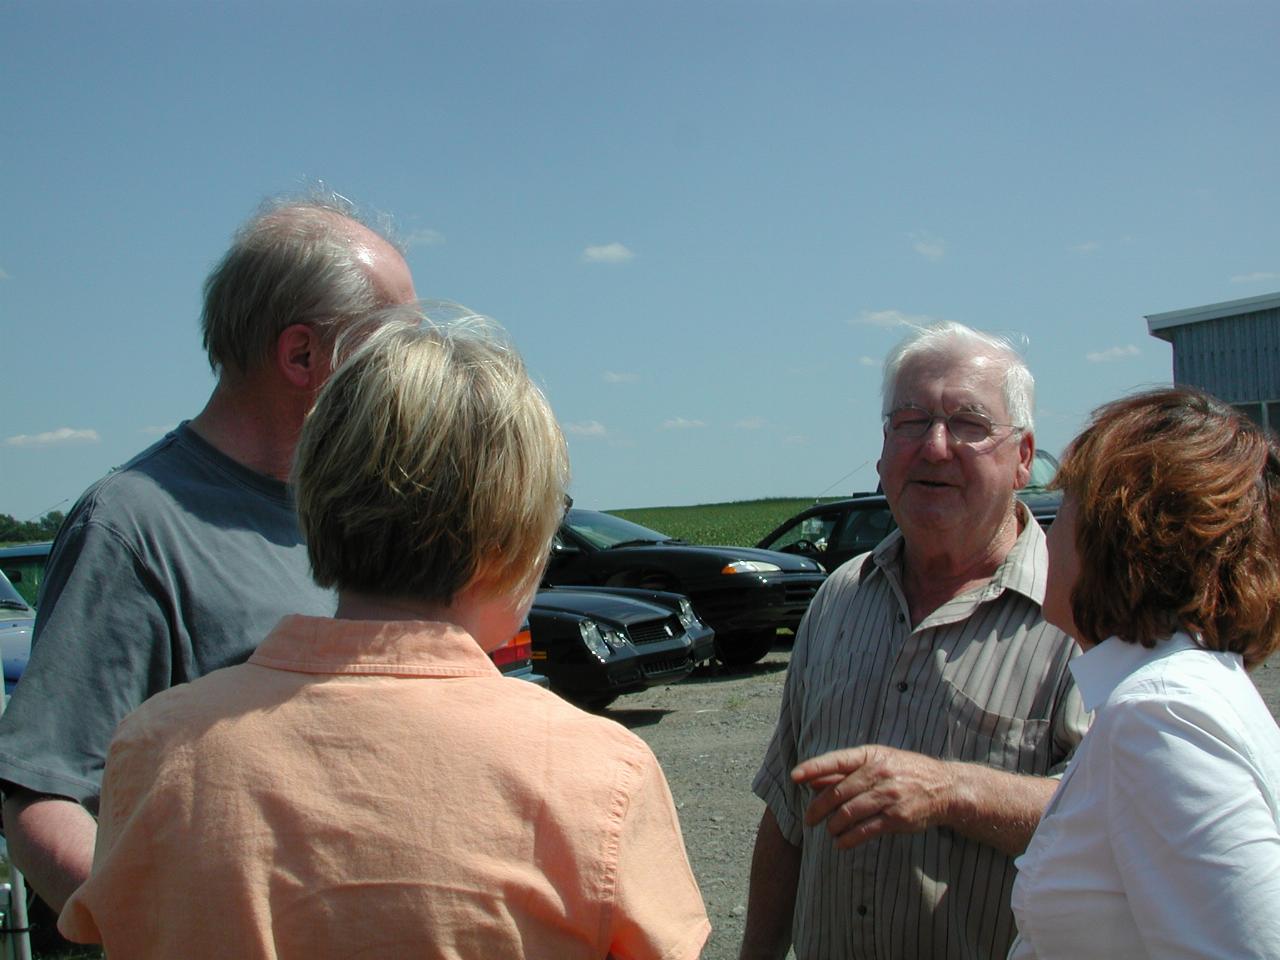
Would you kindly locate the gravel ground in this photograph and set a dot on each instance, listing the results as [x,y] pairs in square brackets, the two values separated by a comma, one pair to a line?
[709,733]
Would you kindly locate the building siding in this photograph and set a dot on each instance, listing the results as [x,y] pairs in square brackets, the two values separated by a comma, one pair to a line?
[1235,358]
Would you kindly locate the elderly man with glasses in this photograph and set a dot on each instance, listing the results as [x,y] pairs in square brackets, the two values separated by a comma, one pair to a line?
[928,704]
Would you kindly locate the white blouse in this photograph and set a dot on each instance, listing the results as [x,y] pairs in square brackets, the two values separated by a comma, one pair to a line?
[1163,839]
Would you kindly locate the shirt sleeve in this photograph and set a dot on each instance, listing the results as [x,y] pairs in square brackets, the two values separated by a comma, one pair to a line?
[101,646]
[1194,834]
[658,909]
[773,783]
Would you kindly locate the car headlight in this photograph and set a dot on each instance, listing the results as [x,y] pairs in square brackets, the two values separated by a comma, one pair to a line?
[686,615]
[615,638]
[750,566]
[592,638]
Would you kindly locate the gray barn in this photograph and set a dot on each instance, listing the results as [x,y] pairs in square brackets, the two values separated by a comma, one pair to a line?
[1230,349]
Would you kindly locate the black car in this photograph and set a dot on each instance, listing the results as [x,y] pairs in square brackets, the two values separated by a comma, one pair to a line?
[835,532]
[744,594]
[595,644]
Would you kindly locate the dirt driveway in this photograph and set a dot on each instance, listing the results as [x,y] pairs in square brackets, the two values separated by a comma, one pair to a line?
[709,733]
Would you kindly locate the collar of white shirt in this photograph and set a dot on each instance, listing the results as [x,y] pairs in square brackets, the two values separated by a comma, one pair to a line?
[1100,670]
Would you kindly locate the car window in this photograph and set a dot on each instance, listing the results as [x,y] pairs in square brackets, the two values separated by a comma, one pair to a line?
[815,530]
[11,602]
[1043,467]
[864,529]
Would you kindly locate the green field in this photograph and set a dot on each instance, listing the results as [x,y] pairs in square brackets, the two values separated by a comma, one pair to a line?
[741,523]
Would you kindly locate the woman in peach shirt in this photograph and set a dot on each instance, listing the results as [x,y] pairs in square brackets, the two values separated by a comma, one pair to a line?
[370,785]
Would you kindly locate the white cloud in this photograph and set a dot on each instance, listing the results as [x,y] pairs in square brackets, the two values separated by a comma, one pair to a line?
[157,431]
[680,423]
[1089,246]
[424,237]
[587,429]
[928,246]
[870,361]
[613,376]
[607,253]
[1262,276]
[4,274]
[1112,353]
[751,423]
[892,318]
[61,435]
[796,440]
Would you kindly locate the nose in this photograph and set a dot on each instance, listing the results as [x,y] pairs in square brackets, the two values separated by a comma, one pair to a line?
[936,442]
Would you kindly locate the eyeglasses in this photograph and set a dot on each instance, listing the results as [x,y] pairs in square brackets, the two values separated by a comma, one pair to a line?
[964,426]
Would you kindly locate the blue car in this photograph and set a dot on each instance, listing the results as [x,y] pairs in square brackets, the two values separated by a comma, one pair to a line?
[16,620]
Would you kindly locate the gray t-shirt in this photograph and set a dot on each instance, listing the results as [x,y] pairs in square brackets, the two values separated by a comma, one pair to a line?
[174,565]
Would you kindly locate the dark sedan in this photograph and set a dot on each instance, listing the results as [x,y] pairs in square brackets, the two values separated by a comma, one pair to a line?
[595,644]
[743,593]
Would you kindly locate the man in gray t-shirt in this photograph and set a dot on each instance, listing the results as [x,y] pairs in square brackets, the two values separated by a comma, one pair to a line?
[183,559]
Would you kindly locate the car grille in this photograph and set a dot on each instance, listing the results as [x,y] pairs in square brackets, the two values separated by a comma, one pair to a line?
[654,631]
[800,592]
[664,665]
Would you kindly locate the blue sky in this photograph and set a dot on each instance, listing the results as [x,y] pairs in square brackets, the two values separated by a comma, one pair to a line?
[699,221]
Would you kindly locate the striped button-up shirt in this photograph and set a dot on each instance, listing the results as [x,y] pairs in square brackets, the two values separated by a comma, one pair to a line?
[983,678]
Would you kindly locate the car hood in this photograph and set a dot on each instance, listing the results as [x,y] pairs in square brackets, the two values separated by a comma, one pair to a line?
[597,605]
[719,556]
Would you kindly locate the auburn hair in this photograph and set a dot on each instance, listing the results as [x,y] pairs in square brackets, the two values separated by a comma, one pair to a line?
[1178,524]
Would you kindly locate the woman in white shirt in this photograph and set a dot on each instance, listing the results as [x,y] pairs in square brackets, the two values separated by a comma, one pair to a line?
[1163,839]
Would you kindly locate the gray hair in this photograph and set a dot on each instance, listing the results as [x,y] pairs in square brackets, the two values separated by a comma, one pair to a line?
[294,261]
[950,339]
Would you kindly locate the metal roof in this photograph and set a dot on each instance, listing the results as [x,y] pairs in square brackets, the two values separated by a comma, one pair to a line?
[1212,311]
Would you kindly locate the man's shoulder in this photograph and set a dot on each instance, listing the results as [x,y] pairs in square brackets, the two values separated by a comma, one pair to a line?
[177,475]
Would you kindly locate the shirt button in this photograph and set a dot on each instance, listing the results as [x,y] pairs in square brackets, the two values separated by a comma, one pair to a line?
[902,686]
[862,910]
[901,618]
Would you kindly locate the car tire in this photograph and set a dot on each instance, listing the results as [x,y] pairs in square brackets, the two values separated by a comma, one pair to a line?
[597,703]
[745,648]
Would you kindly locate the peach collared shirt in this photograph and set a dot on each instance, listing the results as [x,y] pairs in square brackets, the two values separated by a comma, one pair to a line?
[379,789]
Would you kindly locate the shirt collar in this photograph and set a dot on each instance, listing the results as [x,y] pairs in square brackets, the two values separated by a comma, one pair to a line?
[404,648]
[1102,668]
[1022,570]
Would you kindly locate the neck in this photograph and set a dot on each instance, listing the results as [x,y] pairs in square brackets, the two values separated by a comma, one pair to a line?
[253,424]
[937,572]
[354,605]
[491,621]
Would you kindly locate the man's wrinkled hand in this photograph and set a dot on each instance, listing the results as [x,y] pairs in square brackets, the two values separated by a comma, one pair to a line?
[863,792]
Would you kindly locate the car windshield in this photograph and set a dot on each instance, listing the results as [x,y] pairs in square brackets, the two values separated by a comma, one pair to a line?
[10,599]
[603,530]
[1043,467]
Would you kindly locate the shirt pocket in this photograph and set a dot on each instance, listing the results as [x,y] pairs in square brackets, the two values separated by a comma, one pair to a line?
[978,735]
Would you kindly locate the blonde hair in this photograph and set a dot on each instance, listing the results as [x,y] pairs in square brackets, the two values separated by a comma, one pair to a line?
[431,462]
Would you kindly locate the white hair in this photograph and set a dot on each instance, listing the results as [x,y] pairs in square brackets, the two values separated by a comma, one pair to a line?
[950,339]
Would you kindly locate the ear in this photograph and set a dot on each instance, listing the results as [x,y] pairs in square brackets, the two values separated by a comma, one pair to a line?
[301,357]
[1026,454]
